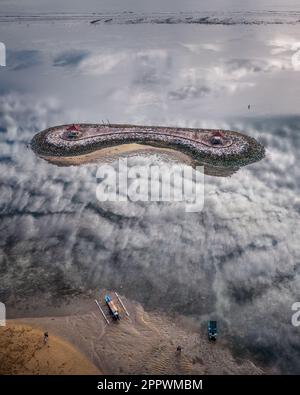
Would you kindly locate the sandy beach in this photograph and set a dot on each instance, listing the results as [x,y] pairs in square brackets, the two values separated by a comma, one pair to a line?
[143,343]
[23,351]
[109,154]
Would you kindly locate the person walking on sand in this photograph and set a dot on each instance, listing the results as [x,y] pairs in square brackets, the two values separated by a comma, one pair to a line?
[46,338]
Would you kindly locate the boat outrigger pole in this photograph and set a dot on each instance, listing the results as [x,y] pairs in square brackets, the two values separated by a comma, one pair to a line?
[102,312]
[122,304]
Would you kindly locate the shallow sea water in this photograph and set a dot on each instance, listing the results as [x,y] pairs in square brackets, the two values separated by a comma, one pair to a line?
[239,259]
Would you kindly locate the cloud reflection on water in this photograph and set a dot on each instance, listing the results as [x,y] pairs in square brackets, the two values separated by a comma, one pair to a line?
[238,259]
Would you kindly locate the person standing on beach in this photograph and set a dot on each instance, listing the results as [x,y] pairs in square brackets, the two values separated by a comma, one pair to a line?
[46,338]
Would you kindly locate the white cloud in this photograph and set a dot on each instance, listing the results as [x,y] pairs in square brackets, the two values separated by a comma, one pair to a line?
[198,48]
[102,63]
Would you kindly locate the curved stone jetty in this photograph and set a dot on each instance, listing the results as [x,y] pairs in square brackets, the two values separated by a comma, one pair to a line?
[215,147]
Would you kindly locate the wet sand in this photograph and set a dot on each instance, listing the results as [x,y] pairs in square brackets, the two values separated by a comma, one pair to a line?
[144,343]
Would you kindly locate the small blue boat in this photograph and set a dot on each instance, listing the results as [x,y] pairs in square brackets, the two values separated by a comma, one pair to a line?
[212,330]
